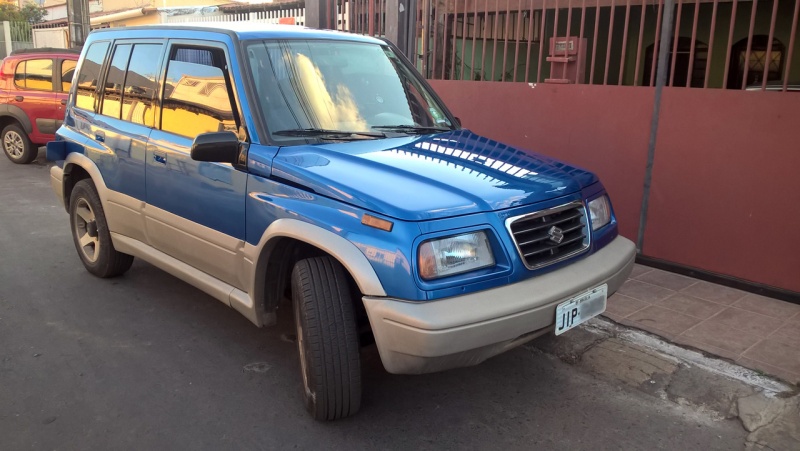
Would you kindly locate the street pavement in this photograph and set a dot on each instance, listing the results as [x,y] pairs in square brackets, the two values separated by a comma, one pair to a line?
[146,361]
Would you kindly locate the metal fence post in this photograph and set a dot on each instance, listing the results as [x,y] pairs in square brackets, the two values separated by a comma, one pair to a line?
[661,80]
[9,45]
[321,14]
[401,22]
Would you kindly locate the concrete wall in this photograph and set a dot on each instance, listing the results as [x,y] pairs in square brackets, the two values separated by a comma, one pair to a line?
[51,37]
[724,190]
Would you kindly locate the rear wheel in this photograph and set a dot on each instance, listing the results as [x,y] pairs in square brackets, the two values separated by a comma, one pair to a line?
[90,233]
[327,338]
[16,145]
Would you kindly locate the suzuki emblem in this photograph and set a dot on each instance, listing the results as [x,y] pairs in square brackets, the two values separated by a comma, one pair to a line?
[556,235]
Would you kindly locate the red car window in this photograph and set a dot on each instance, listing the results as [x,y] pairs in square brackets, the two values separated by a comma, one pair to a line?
[67,71]
[35,74]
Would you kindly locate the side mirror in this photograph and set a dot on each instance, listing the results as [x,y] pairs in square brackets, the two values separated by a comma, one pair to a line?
[217,147]
[458,122]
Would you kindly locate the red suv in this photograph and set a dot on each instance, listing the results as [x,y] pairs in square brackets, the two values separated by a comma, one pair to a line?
[34,86]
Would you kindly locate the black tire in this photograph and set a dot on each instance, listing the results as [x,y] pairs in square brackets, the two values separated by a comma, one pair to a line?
[88,223]
[327,338]
[16,145]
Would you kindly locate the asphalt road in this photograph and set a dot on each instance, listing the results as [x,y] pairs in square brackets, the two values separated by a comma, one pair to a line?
[146,361]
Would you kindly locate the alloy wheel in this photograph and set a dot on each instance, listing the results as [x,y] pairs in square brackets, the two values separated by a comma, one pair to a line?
[86,230]
[13,144]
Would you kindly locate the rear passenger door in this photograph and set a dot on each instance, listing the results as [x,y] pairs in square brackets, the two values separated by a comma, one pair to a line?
[33,83]
[196,210]
[123,123]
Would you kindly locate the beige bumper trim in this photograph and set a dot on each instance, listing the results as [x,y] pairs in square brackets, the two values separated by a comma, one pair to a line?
[419,337]
[57,183]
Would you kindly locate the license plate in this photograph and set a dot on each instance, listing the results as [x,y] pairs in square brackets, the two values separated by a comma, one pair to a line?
[580,308]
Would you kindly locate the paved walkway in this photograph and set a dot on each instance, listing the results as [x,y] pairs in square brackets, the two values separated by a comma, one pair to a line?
[754,331]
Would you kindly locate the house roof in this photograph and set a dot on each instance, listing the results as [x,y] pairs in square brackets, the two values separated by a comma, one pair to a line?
[99,14]
[237,7]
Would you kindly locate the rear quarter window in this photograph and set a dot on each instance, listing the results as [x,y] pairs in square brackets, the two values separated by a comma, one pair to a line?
[89,76]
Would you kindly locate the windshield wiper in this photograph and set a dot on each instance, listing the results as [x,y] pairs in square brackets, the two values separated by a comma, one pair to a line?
[327,134]
[411,128]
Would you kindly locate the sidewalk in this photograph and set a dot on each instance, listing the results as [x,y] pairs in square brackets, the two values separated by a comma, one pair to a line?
[753,331]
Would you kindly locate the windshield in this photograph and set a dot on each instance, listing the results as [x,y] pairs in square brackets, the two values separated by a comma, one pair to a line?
[316,88]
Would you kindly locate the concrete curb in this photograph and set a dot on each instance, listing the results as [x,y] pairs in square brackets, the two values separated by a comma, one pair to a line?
[767,408]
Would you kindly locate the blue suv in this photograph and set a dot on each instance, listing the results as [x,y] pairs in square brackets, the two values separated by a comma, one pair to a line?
[282,168]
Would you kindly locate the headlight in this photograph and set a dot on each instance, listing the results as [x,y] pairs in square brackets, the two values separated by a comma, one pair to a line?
[454,255]
[600,212]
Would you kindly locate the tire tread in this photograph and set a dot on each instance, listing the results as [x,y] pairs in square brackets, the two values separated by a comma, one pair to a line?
[332,352]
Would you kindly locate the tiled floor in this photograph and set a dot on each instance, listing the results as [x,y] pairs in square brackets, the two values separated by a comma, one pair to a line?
[754,331]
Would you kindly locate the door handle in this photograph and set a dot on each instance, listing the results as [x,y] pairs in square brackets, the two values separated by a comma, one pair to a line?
[63,101]
[100,136]
[160,157]
[19,98]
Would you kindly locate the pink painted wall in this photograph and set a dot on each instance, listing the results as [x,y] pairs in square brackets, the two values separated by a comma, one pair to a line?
[726,183]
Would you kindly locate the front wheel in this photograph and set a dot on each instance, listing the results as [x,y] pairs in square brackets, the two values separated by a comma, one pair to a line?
[327,338]
[90,233]
[16,145]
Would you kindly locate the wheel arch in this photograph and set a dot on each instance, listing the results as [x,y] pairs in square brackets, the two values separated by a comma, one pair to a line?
[78,167]
[12,113]
[287,241]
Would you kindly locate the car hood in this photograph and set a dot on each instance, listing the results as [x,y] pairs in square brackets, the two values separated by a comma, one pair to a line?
[428,177]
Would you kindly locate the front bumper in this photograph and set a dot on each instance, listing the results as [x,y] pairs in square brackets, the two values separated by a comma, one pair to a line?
[424,337]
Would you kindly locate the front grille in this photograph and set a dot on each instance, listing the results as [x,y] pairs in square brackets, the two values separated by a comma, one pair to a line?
[537,239]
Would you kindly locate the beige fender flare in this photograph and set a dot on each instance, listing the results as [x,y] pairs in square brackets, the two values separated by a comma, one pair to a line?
[347,253]
[81,160]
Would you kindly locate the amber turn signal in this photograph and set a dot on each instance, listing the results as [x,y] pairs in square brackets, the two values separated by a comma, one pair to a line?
[378,223]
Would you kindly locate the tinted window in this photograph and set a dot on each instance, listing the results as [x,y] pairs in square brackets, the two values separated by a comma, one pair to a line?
[197,56]
[67,71]
[339,85]
[19,75]
[140,84]
[196,97]
[89,75]
[112,94]
[35,74]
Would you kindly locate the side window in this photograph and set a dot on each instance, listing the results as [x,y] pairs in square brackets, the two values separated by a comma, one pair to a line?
[138,101]
[35,74]
[19,75]
[67,72]
[89,75]
[112,92]
[196,98]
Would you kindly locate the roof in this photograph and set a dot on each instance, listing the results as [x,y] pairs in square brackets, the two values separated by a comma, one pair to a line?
[249,30]
[46,50]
